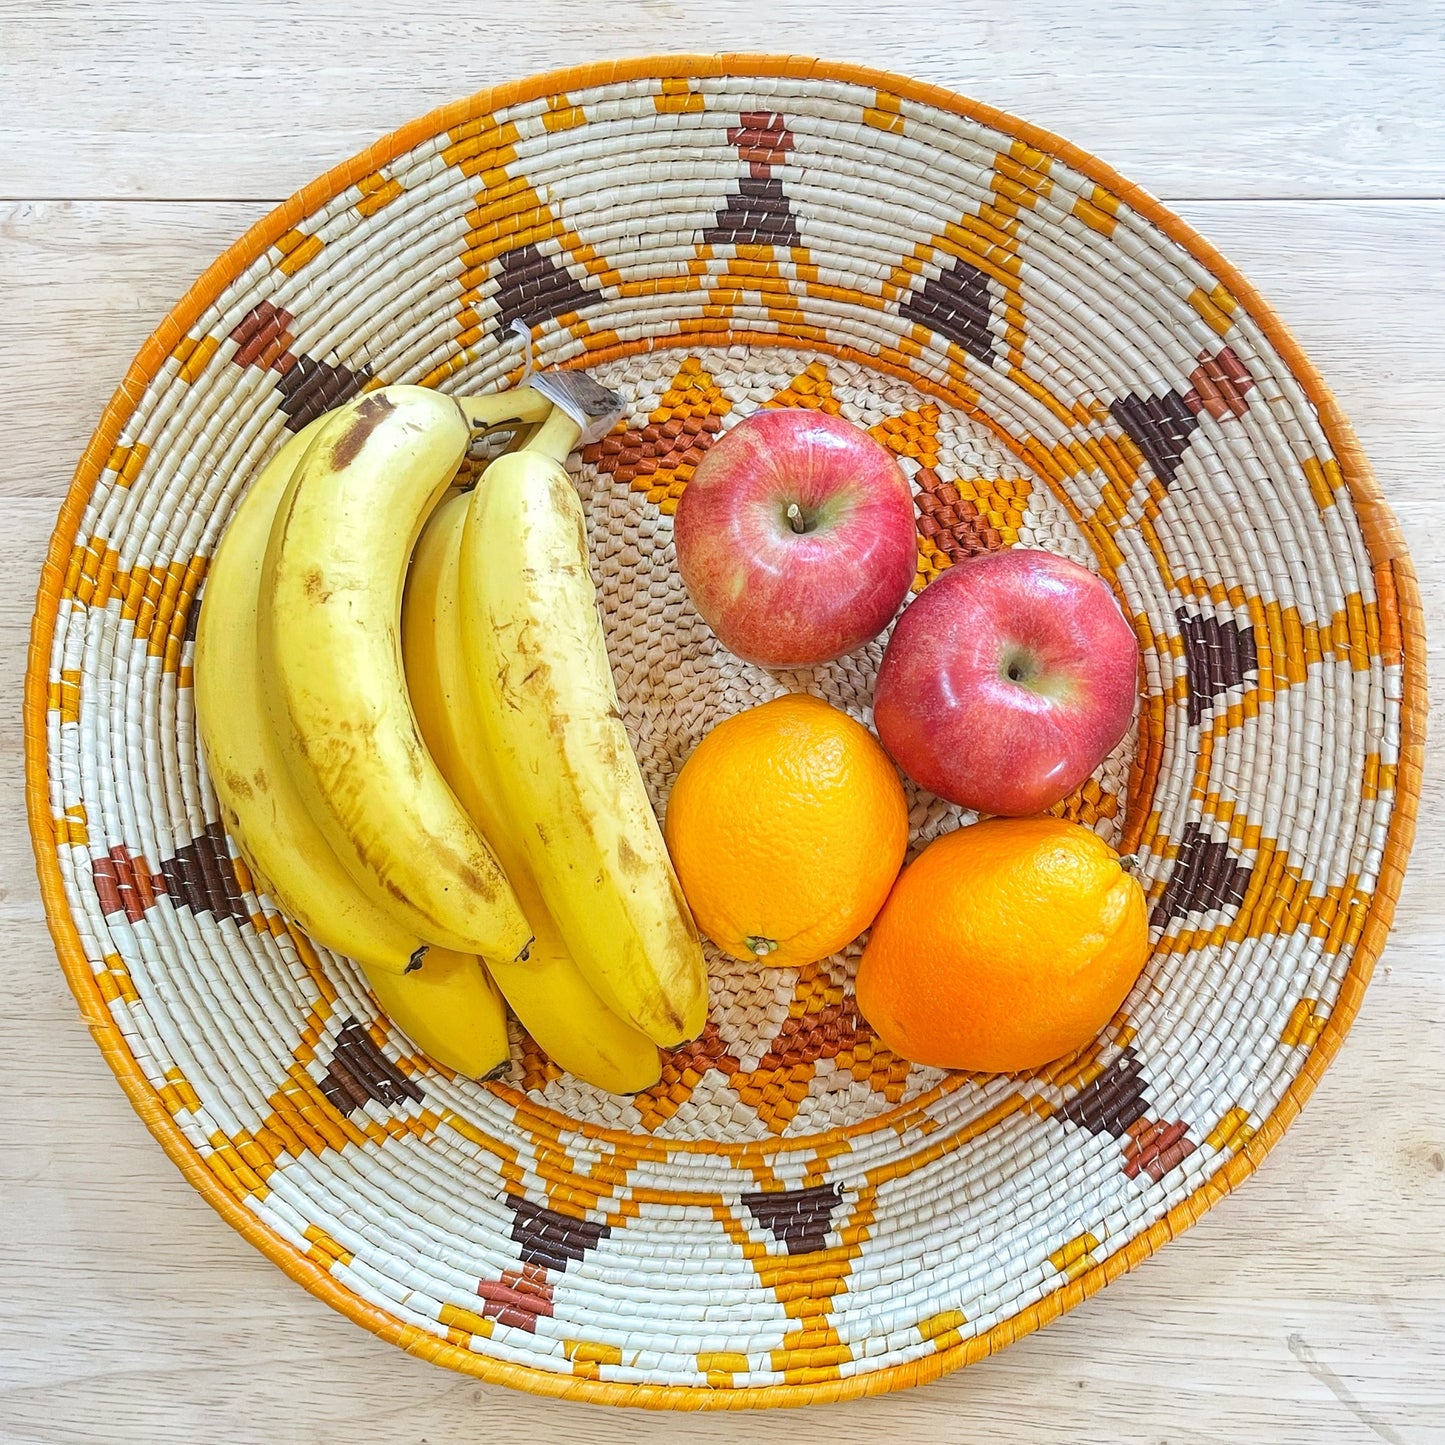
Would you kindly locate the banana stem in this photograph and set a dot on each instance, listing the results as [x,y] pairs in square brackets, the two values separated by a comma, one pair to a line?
[556,436]
[521,405]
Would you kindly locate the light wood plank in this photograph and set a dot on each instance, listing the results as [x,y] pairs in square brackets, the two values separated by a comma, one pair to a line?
[1309,1307]
[222,100]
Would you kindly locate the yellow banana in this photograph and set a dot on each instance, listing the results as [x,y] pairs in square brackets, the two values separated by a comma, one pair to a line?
[329,623]
[262,808]
[451,1009]
[570,788]
[548,992]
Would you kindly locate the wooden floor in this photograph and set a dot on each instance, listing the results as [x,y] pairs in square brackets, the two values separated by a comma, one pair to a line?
[137,139]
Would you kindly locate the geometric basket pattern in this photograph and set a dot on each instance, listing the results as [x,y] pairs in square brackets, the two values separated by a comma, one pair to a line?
[792,1214]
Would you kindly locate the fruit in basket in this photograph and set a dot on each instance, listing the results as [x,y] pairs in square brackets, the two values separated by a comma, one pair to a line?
[313,734]
[1007,681]
[262,807]
[796,538]
[328,623]
[547,991]
[1003,946]
[451,1010]
[443,1000]
[788,825]
[569,786]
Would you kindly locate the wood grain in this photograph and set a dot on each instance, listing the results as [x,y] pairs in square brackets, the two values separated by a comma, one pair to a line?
[220,100]
[1311,1306]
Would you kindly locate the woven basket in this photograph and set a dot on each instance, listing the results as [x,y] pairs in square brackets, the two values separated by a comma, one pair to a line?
[793,1214]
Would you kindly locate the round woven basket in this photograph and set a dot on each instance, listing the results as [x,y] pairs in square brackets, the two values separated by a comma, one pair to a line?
[793,1214]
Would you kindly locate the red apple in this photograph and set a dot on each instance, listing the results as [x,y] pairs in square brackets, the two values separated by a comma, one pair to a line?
[1007,682]
[796,538]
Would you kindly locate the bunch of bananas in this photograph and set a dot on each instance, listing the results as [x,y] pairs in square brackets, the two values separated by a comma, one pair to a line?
[406,709]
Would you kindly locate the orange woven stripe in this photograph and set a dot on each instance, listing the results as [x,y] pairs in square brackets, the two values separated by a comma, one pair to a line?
[883,114]
[562,114]
[377,194]
[677,98]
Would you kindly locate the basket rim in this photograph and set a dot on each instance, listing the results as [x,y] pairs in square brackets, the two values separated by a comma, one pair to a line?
[1384,543]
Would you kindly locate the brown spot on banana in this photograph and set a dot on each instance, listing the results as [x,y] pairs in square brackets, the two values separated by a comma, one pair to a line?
[681,925]
[238,784]
[628,858]
[313,583]
[484,887]
[369,415]
[675,1024]
[608,753]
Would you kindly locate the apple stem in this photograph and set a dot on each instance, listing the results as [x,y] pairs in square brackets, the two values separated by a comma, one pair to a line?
[795,518]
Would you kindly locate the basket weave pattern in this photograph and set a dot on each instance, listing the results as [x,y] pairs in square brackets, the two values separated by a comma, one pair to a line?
[793,1213]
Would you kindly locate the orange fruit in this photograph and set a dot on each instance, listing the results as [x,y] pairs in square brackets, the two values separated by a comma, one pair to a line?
[787,827]
[1003,946]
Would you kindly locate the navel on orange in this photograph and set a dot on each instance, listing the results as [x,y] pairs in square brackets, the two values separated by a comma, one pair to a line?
[1003,946]
[787,827]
